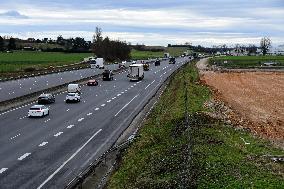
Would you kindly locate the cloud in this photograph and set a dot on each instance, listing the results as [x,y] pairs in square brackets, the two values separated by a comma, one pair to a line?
[12,14]
[204,21]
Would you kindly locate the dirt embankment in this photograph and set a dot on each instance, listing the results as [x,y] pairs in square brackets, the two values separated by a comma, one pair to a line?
[256,97]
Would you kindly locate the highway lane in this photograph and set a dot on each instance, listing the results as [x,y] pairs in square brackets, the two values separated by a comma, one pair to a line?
[49,152]
[21,87]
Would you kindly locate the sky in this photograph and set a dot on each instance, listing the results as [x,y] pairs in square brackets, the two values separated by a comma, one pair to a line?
[149,22]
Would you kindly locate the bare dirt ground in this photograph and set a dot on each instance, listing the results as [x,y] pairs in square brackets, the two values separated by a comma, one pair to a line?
[257,98]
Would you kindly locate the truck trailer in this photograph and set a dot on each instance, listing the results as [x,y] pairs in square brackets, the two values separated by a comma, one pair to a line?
[136,72]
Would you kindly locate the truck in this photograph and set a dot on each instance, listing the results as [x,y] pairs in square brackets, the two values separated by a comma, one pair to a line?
[166,55]
[97,63]
[74,88]
[136,72]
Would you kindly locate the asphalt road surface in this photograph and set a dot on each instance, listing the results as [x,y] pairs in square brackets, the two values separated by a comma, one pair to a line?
[49,152]
[21,87]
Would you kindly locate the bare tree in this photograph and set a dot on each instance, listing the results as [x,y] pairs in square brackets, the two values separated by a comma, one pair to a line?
[265,44]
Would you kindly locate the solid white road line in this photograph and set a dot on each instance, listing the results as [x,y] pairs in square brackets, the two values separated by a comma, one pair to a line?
[24,156]
[58,134]
[150,84]
[73,155]
[43,144]
[3,170]
[126,105]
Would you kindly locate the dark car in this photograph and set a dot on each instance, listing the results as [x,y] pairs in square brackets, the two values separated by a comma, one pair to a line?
[107,75]
[172,60]
[146,67]
[46,99]
[92,82]
[157,63]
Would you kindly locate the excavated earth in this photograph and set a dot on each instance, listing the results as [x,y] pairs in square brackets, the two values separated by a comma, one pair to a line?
[256,98]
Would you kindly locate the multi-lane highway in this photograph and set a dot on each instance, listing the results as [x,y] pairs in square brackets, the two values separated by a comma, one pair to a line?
[49,152]
[21,87]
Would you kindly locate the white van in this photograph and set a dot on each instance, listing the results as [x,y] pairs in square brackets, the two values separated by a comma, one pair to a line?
[136,72]
[74,88]
[97,63]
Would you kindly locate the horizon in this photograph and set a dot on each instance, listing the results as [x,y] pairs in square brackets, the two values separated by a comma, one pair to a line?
[203,23]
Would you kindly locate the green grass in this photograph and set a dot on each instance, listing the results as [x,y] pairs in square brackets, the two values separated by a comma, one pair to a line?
[174,51]
[246,61]
[159,158]
[19,60]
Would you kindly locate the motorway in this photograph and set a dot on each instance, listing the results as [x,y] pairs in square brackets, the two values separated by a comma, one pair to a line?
[20,87]
[49,152]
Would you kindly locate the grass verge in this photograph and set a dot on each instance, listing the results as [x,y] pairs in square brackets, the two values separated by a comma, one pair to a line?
[208,154]
[246,61]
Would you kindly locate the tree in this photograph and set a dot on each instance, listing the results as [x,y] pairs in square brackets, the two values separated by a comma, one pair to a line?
[12,44]
[265,44]
[1,44]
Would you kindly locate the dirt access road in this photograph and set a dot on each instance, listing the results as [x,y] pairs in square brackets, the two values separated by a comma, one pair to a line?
[257,97]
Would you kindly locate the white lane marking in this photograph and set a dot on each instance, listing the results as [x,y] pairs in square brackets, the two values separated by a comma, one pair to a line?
[70,126]
[15,136]
[3,170]
[47,120]
[89,114]
[97,109]
[58,134]
[67,110]
[150,84]
[109,101]
[81,119]
[24,156]
[103,105]
[126,90]
[43,144]
[125,105]
[122,92]
[118,95]
[64,163]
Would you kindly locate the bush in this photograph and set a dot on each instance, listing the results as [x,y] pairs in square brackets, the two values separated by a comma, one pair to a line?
[29,69]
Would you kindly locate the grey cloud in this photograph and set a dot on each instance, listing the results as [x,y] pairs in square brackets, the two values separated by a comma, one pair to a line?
[13,14]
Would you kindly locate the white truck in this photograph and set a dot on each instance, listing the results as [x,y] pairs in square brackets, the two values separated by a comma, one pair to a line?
[97,63]
[74,88]
[136,72]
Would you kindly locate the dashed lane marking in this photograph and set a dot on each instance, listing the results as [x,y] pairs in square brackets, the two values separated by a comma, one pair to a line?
[109,101]
[58,134]
[15,136]
[43,144]
[103,105]
[81,119]
[70,126]
[3,170]
[89,114]
[97,109]
[24,156]
[59,168]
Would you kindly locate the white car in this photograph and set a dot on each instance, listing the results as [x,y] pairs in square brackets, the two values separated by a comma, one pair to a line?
[73,97]
[38,111]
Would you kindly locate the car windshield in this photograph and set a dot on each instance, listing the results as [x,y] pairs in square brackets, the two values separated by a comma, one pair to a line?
[71,94]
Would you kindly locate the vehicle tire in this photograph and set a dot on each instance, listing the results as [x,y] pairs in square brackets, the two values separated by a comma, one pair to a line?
[42,114]
[78,100]
[47,112]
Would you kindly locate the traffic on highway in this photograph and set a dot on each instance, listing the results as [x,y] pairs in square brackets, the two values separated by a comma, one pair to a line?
[48,142]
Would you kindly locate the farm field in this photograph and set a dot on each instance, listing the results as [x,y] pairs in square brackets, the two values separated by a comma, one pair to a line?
[246,61]
[174,51]
[20,60]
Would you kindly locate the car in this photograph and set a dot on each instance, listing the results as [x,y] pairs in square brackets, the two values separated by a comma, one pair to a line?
[157,62]
[133,62]
[38,111]
[107,75]
[46,99]
[72,97]
[172,60]
[92,82]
